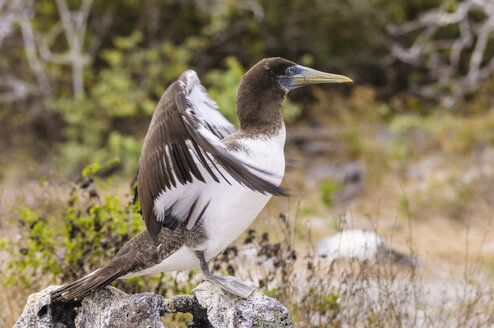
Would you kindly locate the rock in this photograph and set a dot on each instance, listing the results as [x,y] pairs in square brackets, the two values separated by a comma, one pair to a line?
[36,313]
[106,308]
[351,244]
[350,176]
[112,308]
[189,304]
[360,245]
[228,311]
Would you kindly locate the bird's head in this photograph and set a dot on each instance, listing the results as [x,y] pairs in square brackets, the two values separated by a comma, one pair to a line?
[278,71]
[264,87]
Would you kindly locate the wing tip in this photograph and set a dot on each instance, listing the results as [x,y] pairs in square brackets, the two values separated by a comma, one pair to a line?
[153,227]
[283,192]
[190,79]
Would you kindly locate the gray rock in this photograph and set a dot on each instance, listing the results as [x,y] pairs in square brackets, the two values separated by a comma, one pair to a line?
[225,310]
[112,308]
[36,312]
[350,176]
[189,304]
[106,308]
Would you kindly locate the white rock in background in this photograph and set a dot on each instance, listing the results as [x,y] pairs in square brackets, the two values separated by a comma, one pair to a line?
[350,244]
[361,245]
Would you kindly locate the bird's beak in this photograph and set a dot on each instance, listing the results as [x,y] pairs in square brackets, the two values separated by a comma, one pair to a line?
[305,76]
[308,76]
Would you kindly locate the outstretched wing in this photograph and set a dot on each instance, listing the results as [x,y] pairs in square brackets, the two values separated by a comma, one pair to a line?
[182,152]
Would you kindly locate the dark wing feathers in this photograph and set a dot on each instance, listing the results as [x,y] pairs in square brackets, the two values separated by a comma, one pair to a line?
[186,131]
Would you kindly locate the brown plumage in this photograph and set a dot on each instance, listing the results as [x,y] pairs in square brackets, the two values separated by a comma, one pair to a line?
[260,95]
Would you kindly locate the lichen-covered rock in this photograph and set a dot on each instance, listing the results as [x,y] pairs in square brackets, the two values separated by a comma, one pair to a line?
[189,304]
[36,313]
[107,308]
[112,308]
[228,311]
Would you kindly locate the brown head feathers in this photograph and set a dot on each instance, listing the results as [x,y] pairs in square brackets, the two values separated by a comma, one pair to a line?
[260,95]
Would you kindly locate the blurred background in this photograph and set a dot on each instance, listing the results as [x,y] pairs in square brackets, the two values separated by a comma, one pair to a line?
[407,151]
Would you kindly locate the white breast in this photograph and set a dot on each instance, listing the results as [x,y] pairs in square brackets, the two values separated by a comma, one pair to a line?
[232,207]
[237,207]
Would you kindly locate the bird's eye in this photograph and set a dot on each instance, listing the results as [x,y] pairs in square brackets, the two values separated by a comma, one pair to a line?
[290,71]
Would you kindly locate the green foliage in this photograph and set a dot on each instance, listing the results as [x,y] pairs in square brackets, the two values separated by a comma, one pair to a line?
[414,134]
[328,189]
[403,205]
[224,85]
[149,43]
[352,138]
[68,239]
[331,302]
[111,118]
[291,111]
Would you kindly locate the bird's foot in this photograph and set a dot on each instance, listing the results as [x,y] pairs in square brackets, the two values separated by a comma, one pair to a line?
[231,285]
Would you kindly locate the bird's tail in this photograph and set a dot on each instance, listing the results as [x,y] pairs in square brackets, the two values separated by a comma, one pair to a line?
[88,284]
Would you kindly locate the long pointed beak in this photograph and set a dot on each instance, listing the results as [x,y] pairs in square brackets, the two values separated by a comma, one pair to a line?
[311,76]
[305,76]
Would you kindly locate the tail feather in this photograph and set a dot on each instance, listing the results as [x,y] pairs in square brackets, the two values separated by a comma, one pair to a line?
[86,285]
[135,255]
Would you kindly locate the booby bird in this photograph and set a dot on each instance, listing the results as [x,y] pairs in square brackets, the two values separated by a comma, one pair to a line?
[201,183]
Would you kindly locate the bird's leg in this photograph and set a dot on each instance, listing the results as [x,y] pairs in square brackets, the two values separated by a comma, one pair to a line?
[235,287]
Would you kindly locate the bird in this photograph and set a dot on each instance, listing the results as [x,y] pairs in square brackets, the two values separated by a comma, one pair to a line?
[200,181]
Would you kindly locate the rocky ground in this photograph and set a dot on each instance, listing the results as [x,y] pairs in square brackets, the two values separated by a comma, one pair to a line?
[110,307]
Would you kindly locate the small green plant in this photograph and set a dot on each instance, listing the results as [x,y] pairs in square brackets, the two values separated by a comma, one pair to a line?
[328,189]
[64,240]
[223,87]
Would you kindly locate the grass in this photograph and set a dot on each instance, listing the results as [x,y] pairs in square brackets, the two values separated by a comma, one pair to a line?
[348,293]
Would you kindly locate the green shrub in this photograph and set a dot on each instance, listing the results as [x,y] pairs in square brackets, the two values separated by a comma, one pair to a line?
[66,239]
[111,119]
[328,189]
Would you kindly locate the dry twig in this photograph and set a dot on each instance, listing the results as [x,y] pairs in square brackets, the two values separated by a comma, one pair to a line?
[458,64]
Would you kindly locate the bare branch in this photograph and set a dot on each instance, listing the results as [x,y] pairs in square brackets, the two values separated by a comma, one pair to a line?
[441,56]
[478,52]
[13,89]
[32,57]
[74,25]
[10,13]
[66,19]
